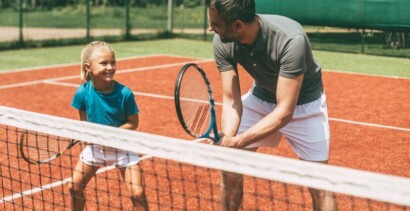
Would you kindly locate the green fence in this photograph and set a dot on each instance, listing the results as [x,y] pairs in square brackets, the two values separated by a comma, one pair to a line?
[389,16]
[23,22]
[385,15]
[41,23]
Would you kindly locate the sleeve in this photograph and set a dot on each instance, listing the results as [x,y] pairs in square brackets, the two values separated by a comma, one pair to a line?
[221,52]
[131,106]
[78,99]
[292,60]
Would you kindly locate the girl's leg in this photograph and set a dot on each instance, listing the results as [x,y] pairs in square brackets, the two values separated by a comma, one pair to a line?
[133,180]
[81,176]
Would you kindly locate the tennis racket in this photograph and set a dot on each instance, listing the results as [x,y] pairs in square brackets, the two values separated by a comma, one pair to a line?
[38,148]
[194,103]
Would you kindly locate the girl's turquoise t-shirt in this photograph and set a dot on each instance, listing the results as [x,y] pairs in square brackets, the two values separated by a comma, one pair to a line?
[107,109]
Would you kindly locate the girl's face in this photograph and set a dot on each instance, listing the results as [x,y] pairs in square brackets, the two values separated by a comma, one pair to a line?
[102,66]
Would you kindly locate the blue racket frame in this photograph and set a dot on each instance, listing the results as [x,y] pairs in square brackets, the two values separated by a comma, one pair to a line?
[212,127]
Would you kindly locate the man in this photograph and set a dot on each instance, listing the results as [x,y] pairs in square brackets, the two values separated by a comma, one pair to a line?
[287,97]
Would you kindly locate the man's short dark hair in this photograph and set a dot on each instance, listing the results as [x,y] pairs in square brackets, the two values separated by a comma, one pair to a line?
[231,10]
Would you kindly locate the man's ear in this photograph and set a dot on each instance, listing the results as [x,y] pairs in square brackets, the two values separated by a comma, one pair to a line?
[237,26]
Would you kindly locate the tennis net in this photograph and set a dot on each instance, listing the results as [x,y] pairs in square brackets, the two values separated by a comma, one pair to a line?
[178,174]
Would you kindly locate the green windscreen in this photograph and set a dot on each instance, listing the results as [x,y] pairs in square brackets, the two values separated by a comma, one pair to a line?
[387,15]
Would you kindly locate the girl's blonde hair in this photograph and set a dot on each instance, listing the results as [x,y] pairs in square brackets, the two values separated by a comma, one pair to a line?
[86,54]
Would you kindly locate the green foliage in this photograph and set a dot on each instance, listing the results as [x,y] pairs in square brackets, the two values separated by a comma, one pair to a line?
[152,16]
[76,41]
[9,17]
[191,3]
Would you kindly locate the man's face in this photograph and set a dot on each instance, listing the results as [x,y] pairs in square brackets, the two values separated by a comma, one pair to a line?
[219,26]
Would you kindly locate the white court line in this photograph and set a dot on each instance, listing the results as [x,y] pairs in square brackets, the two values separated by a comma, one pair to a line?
[48,186]
[365,74]
[51,185]
[34,190]
[7,86]
[187,57]
[369,124]
[219,103]
[29,83]
[54,81]
[26,69]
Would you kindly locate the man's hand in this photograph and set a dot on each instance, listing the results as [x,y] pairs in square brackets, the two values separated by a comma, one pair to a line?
[226,141]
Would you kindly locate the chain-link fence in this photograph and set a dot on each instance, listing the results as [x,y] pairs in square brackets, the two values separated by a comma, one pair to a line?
[41,23]
[22,21]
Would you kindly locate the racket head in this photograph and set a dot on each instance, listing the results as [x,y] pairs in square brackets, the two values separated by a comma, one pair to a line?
[38,148]
[194,102]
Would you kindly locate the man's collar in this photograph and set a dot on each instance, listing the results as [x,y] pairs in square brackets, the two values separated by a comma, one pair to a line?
[260,42]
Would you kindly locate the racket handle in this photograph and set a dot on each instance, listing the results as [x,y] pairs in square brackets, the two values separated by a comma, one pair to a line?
[216,134]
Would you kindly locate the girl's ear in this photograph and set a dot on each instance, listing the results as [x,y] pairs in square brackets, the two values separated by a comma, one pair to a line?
[87,67]
[88,71]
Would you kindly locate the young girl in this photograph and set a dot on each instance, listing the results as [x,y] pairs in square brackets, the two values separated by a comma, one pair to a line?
[101,99]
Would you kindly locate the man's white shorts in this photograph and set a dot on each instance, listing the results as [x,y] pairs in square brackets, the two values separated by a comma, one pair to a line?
[307,134]
[96,155]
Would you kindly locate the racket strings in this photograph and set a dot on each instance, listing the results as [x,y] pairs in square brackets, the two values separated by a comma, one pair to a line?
[201,117]
[40,147]
[197,118]
[194,103]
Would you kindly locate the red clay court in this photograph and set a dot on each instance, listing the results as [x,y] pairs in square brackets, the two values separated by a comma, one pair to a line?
[369,115]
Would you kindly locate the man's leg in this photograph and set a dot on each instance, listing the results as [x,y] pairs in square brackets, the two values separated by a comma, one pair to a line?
[323,200]
[309,136]
[231,191]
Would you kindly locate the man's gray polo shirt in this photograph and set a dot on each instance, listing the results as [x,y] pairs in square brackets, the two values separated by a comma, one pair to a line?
[282,49]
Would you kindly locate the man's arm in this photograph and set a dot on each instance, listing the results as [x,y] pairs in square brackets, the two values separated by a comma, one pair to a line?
[232,104]
[287,94]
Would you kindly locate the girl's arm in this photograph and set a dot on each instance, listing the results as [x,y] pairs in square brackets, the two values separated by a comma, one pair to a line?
[132,122]
[83,115]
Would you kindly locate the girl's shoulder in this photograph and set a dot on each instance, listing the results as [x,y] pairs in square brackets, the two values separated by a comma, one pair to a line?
[85,85]
[122,88]
[82,88]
